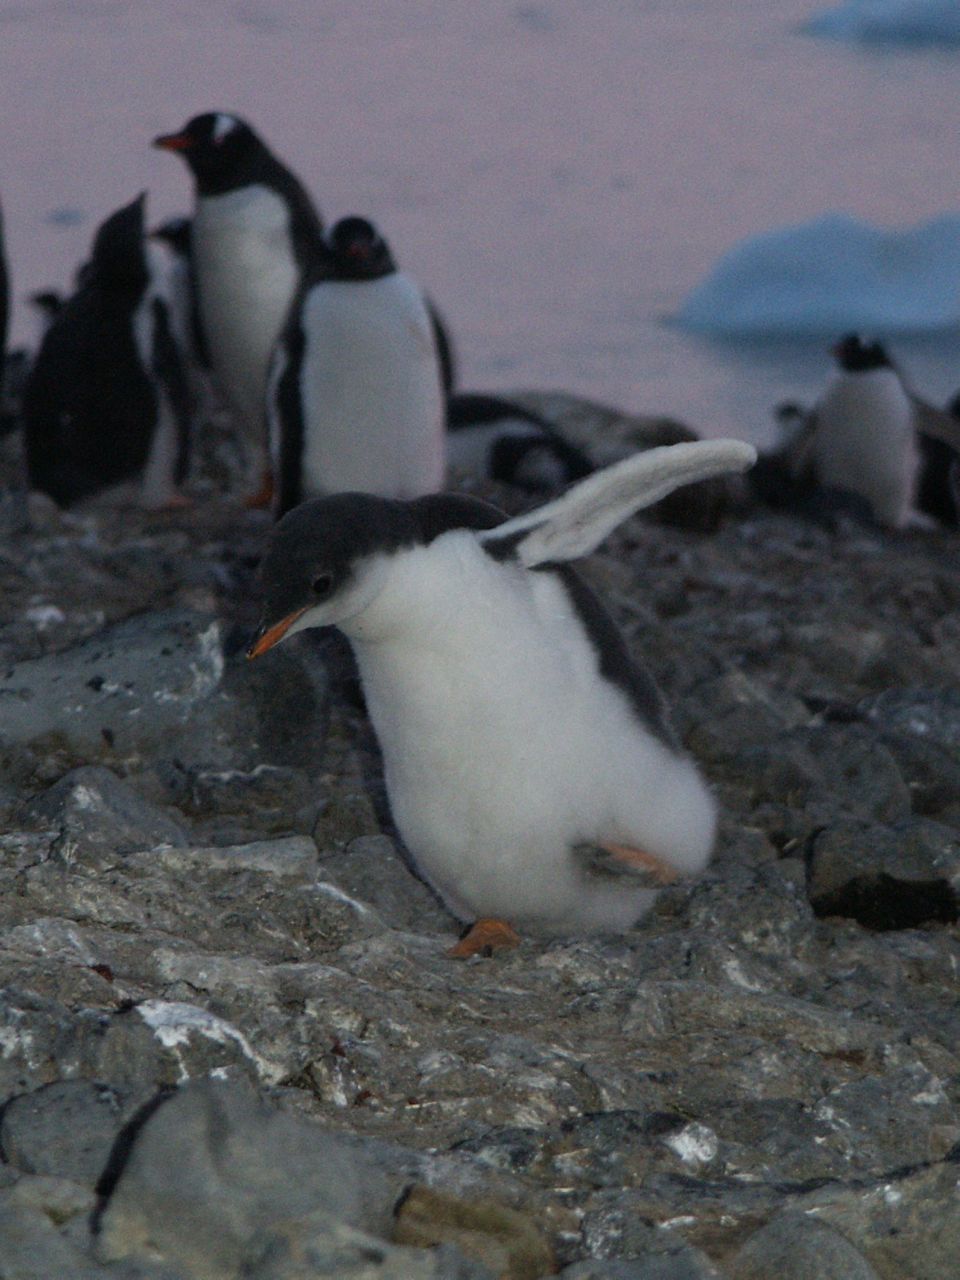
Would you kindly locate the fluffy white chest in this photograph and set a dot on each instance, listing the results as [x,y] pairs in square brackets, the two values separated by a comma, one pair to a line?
[504,748]
[865,442]
[370,391]
[246,277]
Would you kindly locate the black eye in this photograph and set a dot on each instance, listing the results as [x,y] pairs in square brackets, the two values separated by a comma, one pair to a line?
[322,584]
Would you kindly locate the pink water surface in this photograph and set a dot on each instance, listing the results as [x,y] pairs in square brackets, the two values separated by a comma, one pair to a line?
[558,174]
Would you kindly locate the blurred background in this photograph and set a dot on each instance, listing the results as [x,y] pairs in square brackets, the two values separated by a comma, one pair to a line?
[561,175]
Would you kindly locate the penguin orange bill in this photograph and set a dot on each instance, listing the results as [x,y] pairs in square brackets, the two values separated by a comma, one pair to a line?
[274,634]
[173,142]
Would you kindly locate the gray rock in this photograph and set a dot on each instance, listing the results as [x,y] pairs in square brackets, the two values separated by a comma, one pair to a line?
[794,1247]
[318,1245]
[905,1227]
[171,683]
[97,814]
[372,869]
[682,1263]
[893,877]
[214,1165]
[66,1128]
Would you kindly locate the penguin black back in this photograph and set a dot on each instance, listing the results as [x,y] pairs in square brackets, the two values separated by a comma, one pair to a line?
[89,405]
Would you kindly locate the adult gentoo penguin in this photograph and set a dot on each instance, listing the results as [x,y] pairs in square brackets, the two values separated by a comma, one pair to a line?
[869,436]
[355,395]
[105,399]
[255,232]
[530,765]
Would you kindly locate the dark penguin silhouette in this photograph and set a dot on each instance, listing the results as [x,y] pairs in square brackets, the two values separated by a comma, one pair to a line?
[355,396]
[500,439]
[105,400]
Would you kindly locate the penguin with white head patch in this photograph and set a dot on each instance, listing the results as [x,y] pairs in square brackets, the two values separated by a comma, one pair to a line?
[105,400]
[871,437]
[529,762]
[255,233]
[355,397]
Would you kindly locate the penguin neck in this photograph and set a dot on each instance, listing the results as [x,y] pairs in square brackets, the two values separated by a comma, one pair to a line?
[422,598]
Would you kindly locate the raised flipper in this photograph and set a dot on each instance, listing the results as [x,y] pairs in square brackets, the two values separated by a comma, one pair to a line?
[574,525]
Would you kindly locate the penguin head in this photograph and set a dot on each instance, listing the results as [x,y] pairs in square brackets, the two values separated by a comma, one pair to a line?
[328,560]
[857,354]
[218,148]
[358,251]
[117,259]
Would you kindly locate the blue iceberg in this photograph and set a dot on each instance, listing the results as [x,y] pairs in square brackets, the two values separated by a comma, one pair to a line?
[830,275]
[894,21]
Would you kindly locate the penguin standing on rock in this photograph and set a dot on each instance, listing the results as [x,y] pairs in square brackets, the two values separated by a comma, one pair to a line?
[255,234]
[355,394]
[529,762]
[105,399]
[868,440]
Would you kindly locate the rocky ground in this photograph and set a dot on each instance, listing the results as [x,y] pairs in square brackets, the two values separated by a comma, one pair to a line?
[231,1041]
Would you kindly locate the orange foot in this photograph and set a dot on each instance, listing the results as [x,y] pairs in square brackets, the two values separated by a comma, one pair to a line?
[485,937]
[264,495]
[646,864]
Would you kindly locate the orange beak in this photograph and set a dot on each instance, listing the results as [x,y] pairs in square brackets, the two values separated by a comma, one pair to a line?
[274,634]
[173,142]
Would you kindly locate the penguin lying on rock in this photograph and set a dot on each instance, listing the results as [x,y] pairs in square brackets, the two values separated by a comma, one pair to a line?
[529,761]
[502,440]
[106,400]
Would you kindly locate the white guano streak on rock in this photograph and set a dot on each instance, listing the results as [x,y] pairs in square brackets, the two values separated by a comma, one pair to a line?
[173,1023]
[206,671]
[695,1144]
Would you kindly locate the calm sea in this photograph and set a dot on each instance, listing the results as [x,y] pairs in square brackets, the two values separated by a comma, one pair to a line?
[558,174]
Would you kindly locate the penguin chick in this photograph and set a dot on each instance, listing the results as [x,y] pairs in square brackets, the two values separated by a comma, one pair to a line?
[255,234]
[864,437]
[355,398]
[526,755]
[501,440]
[105,399]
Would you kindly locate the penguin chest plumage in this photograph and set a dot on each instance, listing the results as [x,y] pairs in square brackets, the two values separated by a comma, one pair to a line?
[505,748]
[865,442]
[246,275]
[371,401]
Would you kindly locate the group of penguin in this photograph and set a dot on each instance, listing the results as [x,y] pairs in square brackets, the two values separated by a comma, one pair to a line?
[339,373]
[531,768]
[336,368]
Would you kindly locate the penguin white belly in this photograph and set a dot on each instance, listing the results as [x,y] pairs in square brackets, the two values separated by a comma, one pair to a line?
[504,748]
[865,442]
[371,395]
[246,277]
